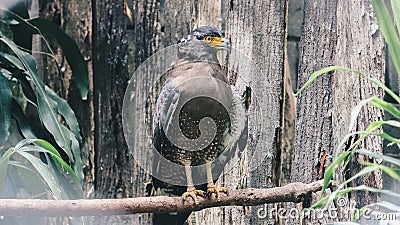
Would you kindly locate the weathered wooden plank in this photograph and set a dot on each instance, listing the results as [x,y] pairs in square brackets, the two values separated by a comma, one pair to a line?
[361,47]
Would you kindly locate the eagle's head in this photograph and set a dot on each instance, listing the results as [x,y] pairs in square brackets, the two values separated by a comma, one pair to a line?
[202,44]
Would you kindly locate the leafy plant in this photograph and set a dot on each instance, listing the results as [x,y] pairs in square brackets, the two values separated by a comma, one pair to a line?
[47,158]
[392,39]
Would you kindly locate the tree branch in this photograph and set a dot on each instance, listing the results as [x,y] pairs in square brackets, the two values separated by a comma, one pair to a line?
[294,192]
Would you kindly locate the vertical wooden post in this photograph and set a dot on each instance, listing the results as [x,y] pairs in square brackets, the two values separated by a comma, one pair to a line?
[114,165]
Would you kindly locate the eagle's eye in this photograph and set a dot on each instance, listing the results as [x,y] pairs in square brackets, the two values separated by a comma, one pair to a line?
[207,39]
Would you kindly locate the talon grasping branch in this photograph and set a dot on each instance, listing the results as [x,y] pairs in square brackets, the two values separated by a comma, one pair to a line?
[198,120]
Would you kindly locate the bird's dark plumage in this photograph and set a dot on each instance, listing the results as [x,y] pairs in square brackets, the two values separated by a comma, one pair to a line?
[194,89]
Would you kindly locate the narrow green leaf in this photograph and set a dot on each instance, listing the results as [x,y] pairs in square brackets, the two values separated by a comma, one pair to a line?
[18,164]
[11,60]
[376,190]
[66,112]
[17,71]
[389,107]
[388,31]
[360,212]
[46,147]
[375,102]
[47,108]
[396,12]
[373,126]
[4,164]
[389,171]
[25,181]
[331,169]
[5,106]
[45,173]
[390,138]
[314,76]
[332,196]
[340,191]
[22,121]
[379,156]
[333,68]
[320,203]
[70,49]
[355,111]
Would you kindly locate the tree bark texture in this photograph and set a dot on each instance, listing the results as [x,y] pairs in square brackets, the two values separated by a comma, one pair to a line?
[336,33]
[114,165]
[360,47]
[258,29]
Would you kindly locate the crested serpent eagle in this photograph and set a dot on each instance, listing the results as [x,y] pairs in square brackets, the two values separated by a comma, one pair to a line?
[195,88]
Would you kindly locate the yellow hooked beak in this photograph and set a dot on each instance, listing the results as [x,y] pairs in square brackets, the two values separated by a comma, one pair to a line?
[219,43]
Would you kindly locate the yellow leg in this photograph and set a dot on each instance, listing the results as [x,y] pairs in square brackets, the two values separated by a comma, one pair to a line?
[211,188]
[191,190]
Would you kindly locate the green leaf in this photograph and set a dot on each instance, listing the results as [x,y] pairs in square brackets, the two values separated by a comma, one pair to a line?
[5,106]
[332,196]
[379,156]
[388,31]
[22,121]
[17,70]
[69,116]
[333,68]
[396,12]
[360,212]
[3,165]
[57,158]
[375,102]
[340,191]
[25,180]
[331,169]
[70,49]
[389,107]
[45,173]
[314,76]
[389,171]
[46,147]
[47,108]
[66,112]
[11,60]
